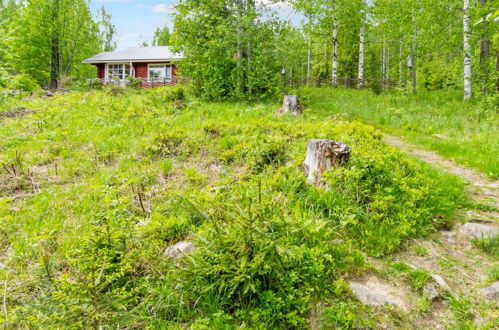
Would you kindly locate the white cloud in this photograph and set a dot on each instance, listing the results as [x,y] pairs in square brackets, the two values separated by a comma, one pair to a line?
[275,5]
[162,8]
[285,9]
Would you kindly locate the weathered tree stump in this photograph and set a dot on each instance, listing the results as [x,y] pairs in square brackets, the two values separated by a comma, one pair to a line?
[323,155]
[291,105]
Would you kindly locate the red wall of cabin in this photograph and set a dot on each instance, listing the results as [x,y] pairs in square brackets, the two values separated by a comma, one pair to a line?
[100,70]
[140,70]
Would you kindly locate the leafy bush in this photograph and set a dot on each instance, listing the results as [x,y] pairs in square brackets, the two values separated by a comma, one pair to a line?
[263,262]
[5,77]
[23,82]
[161,96]
[133,82]
[114,89]
[93,83]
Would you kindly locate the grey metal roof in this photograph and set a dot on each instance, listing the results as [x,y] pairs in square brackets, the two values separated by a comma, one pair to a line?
[137,54]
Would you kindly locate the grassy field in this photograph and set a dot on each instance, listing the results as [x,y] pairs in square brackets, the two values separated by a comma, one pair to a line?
[439,120]
[95,186]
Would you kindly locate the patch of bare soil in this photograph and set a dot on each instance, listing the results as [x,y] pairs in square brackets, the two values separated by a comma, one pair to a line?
[17,112]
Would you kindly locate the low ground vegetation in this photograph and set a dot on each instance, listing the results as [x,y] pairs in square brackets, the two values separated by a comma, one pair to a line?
[94,186]
[438,120]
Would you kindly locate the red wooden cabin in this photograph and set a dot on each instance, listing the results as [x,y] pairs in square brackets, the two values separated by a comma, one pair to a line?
[153,66]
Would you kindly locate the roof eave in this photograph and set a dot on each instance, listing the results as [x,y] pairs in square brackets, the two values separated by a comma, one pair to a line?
[133,61]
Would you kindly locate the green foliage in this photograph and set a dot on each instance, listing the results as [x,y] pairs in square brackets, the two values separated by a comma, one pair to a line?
[107,30]
[461,306]
[230,50]
[494,274]
[161,37]
[422,120]
[23,82]
[263,261]
[93,84]
[109,181]
[419,278]
[5,77]
[45,30]
[488,245]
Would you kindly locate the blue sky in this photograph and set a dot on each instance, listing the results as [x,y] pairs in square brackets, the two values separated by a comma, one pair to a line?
[136,20]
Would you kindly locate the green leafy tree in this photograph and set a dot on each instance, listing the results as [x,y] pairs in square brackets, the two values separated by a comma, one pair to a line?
[8,10]
[107,31]
[230,49]
[161,37]
[50,38]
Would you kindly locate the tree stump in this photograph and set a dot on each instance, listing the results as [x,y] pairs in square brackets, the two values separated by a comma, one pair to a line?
[323,155]
[291,105]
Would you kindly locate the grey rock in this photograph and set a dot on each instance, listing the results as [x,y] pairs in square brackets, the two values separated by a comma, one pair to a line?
[371,297]
[440,281]
[178,249]
[431,291]
[491,292]
[479,231]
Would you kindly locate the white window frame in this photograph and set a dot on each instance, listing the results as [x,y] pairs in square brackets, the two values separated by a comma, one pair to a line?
[164,65]
[124,76]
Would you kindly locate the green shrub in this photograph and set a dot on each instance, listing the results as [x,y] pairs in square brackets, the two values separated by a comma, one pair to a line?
[23,82]
[133,82]
[389,196]
[114,89]
[5,77]
[93,83]
[267,150]
[263,262]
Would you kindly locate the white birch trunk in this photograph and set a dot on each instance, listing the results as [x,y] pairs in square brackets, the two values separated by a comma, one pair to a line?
[466,49]
[383,64]
[334,75]
[387,64]
[401,61]
[309,63]
[414,55]
[239,54]
[361,56]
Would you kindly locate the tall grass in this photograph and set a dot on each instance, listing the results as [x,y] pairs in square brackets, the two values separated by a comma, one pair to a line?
[467,132]
[104,182]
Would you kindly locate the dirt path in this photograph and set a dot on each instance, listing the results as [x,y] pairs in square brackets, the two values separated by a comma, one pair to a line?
[450,256]
[481,189]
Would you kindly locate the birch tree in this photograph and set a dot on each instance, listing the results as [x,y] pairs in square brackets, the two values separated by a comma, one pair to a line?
[362,41]
[466,50]
[334,70]
[230,51]
[107,31]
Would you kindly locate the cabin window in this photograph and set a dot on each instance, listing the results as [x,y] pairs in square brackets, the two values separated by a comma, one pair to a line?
[160,72]
[118,71]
